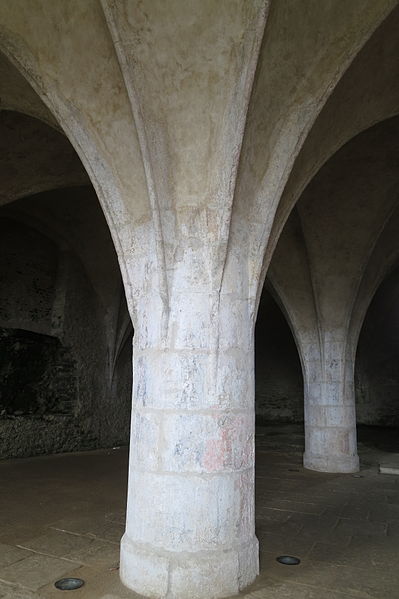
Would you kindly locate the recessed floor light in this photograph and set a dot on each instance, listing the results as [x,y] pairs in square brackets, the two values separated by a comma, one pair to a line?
[288,560]
[69,584]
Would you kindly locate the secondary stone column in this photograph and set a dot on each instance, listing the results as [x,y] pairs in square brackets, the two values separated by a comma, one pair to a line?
[330,411]
[190,518]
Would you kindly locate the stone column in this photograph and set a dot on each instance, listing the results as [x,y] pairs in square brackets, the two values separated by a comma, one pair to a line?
[190,522]
[330,413]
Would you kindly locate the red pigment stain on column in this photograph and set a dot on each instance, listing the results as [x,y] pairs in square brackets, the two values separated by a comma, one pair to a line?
[218,452]
[214,455]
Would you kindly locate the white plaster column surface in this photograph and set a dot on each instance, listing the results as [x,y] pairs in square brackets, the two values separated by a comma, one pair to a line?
[330,415]
[190,526]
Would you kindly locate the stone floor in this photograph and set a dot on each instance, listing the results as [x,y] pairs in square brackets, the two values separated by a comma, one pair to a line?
[63,516]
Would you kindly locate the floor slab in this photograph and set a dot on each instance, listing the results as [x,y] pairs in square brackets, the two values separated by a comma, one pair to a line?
[64,516]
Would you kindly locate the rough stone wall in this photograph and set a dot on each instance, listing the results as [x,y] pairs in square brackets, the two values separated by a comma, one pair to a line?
[84,333]
[56,388]
[32,425]
[38,375]
[278,374]
[377,373]
[28,265]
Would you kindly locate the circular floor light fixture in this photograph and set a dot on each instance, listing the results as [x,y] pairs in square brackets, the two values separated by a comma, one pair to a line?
[69,584]
[288,560]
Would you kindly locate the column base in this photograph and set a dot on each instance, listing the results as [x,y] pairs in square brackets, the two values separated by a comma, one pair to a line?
[203,575]
[333,464]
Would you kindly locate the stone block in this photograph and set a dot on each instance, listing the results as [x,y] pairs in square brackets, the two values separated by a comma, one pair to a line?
[145,439]
[207,442]
[212,575]
[313,394]
[235,380]
[190,512]
[235,326]
[145,572]
[190,321]
[171,380]
[248,560]
[148,330]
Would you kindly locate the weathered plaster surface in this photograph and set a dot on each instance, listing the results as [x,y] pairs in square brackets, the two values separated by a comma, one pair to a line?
[306,49]
[367,93]
[188,118]
[34,157]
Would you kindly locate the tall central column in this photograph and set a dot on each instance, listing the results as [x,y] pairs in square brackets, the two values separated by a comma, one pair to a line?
[190,522]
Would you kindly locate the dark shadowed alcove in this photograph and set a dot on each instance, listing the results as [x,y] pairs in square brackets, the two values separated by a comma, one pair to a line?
[278,373]
[377,371]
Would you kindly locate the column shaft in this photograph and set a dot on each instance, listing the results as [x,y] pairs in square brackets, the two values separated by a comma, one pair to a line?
[330,413]
[190,522]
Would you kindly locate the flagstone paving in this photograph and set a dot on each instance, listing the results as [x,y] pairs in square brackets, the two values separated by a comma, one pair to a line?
[64,515]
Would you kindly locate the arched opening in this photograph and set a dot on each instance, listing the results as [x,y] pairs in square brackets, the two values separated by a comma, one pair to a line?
[377,374]
[279,416]
[278,378]
[339,227]
[58,334]
[319,265]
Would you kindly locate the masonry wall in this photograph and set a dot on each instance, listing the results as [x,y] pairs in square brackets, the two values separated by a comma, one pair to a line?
[28,268]
[377,371]
[278,375]
[59,390]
